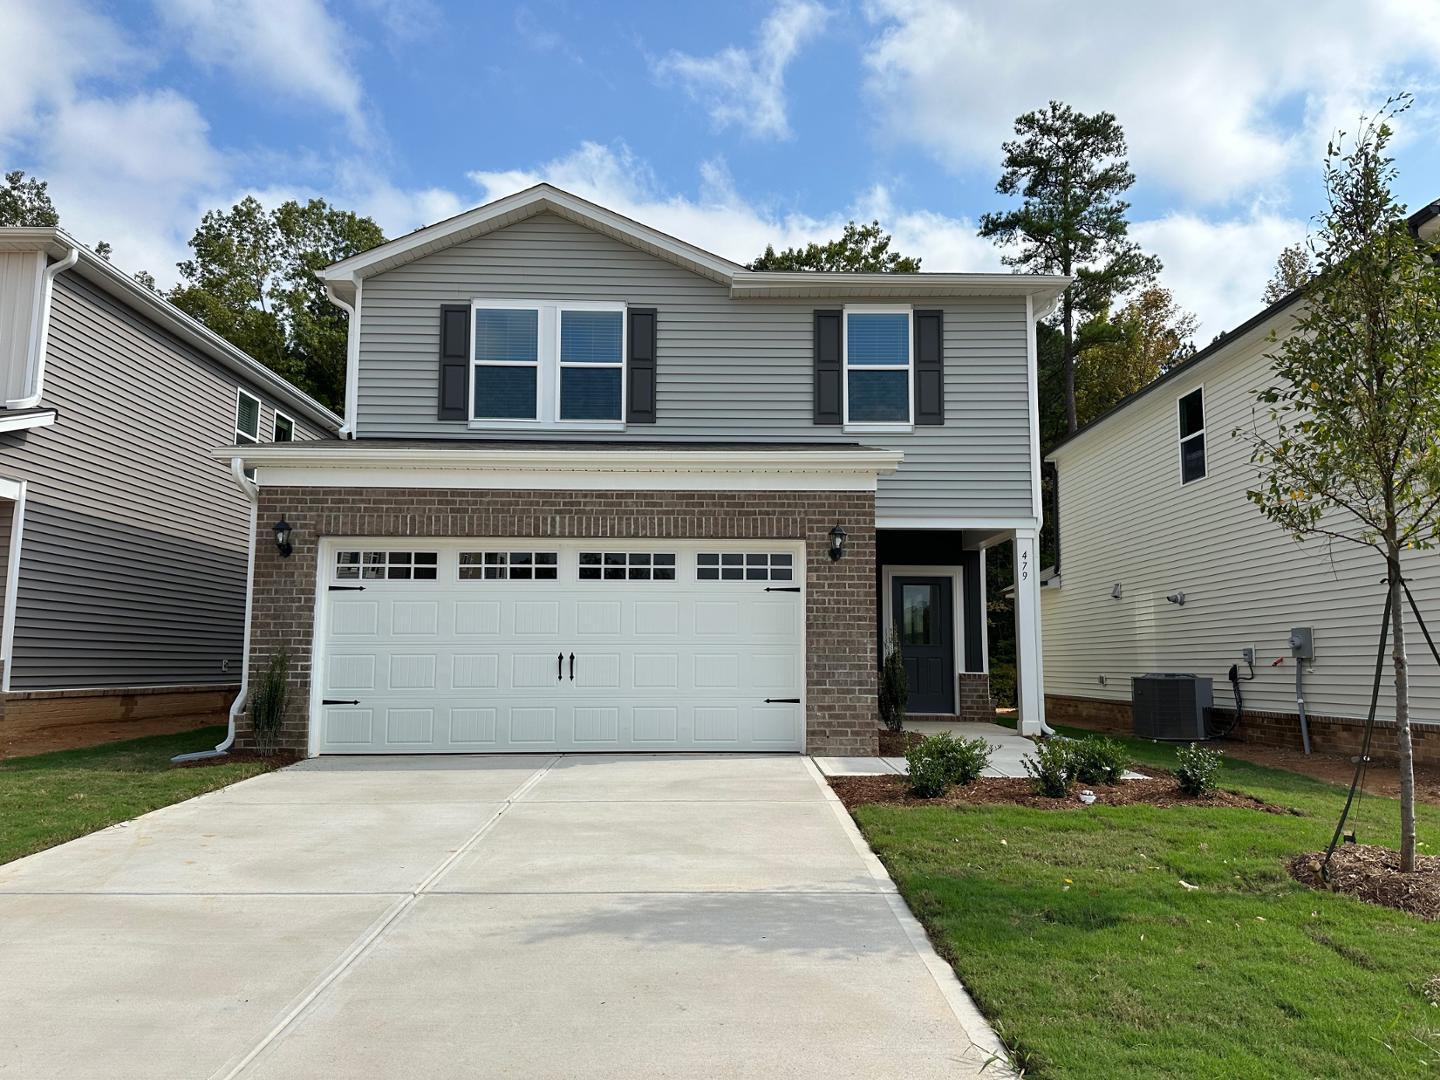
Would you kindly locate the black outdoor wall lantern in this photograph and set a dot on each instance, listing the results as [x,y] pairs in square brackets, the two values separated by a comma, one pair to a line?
[837,543]
[282,537]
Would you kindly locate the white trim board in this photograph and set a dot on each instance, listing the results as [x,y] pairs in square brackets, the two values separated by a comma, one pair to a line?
[12,576]
[567,479]
[27,420]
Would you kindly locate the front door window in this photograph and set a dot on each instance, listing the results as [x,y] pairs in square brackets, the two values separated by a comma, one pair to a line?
[917,607]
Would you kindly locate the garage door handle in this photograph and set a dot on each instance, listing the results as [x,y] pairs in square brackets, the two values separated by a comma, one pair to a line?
[338,701]
[347,588]
[782,701]
[782,588]
[572,667]
[559,666]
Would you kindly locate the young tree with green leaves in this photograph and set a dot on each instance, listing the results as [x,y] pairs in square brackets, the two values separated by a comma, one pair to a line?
[1070,170]
[252,279]
[1292,271]
[26,202]
[861,248]
[1347,446]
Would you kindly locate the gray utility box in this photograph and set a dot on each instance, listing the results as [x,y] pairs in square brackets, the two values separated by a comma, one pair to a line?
[1171,706]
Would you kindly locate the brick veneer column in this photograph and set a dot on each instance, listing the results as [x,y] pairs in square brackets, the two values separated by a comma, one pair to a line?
[840,665]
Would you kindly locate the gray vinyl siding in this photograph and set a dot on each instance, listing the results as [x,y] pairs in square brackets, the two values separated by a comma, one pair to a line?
[133,556]
[1126,519]
[727,369]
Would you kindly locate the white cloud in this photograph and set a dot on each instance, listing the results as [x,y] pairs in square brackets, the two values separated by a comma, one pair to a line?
[746,87]
[1218,269]
[46,47]
[720,220]
[1218,99]
[136,172]
[293,48]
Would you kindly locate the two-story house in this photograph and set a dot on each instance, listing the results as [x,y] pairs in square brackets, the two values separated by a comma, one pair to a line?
[600,489]
[1165,566]
[123,542]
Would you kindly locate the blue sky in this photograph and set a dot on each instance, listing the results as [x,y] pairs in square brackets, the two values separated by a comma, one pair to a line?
[730,125]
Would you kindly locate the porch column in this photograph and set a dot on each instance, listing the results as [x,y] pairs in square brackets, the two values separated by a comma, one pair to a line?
[1029,674]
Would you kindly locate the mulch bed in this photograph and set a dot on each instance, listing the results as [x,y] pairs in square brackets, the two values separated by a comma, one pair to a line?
[279,759]
[895,743]
[1372,873]
[1160,790]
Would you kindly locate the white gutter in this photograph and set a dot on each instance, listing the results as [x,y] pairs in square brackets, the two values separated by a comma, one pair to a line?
[37,366]
[252,495]
[352,356]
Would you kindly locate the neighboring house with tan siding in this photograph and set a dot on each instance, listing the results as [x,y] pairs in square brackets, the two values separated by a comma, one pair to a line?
[123,540]
[605,490]
[1152,504]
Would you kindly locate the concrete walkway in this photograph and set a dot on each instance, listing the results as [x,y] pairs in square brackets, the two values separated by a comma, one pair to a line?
[1006,750]
[585,916]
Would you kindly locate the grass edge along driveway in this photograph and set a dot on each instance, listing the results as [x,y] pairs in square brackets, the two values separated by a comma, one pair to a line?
[47,799]
[1073,932]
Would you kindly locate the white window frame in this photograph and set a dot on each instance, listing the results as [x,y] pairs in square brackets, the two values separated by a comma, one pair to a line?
[244,438]
[1180,440]
[275,426]
[863,426]
[548,365]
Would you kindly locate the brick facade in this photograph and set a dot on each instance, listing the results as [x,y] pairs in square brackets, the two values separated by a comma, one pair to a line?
[1328,734]
[840,658]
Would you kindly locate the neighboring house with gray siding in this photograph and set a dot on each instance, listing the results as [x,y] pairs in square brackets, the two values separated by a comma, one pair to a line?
[602,489]
[124,541]
[1152,505]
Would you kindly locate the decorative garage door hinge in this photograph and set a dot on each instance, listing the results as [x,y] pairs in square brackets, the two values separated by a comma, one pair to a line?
[347,588]
[782,588]
[339,701]
[782,701]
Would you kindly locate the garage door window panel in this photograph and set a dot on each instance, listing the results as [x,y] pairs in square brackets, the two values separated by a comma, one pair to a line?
[745,566]
[509,566]
[387,565]
[626,566]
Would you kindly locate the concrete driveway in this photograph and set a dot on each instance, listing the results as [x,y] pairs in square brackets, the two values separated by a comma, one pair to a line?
[576,916]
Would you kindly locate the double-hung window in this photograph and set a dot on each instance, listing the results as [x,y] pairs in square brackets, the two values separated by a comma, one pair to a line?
[284,428]
[548,362]
[1192,436]
[879,360]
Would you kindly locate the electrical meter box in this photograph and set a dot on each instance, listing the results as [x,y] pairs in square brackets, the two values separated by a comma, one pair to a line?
[1302,643]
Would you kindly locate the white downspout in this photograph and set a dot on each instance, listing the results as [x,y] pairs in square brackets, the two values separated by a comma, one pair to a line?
[352,357]
[37,368]
[252,495]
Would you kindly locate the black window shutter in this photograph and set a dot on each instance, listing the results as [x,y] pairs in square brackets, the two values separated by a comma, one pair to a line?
[454,362]
[828,364]
[929,367]
[640,367]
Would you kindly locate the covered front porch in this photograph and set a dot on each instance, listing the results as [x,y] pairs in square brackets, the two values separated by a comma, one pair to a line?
[932,604]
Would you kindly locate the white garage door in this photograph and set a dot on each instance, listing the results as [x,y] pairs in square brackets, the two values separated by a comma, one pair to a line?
[494,645]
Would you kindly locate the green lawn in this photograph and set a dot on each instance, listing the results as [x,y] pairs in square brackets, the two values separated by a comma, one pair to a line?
[50,798]
[1073,933]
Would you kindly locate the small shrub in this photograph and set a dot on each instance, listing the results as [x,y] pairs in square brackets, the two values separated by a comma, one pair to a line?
[894,687]
[940,762]
[269,702]
[1198,770]
[1098,760]
[1051,767]
[1002,685]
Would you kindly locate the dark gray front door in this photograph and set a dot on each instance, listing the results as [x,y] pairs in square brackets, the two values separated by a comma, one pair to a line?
[923,610]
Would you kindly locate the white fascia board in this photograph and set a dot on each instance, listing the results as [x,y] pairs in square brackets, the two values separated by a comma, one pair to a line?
[357,465]
[289,476]
[40,418]
[946,524]
[1043,288]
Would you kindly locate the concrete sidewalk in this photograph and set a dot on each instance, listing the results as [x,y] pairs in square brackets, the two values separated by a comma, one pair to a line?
[451,917]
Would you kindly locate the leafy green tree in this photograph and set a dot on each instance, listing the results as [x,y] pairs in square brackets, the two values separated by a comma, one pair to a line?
[1070,170]
[1145,339]
[252,279]
[26,202]
[1347,447]
[1292,271]
[864,248]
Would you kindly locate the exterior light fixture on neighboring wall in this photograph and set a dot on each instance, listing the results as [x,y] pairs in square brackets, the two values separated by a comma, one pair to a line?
[1177,598]
[837,543]
[1115,592]
[282,537]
